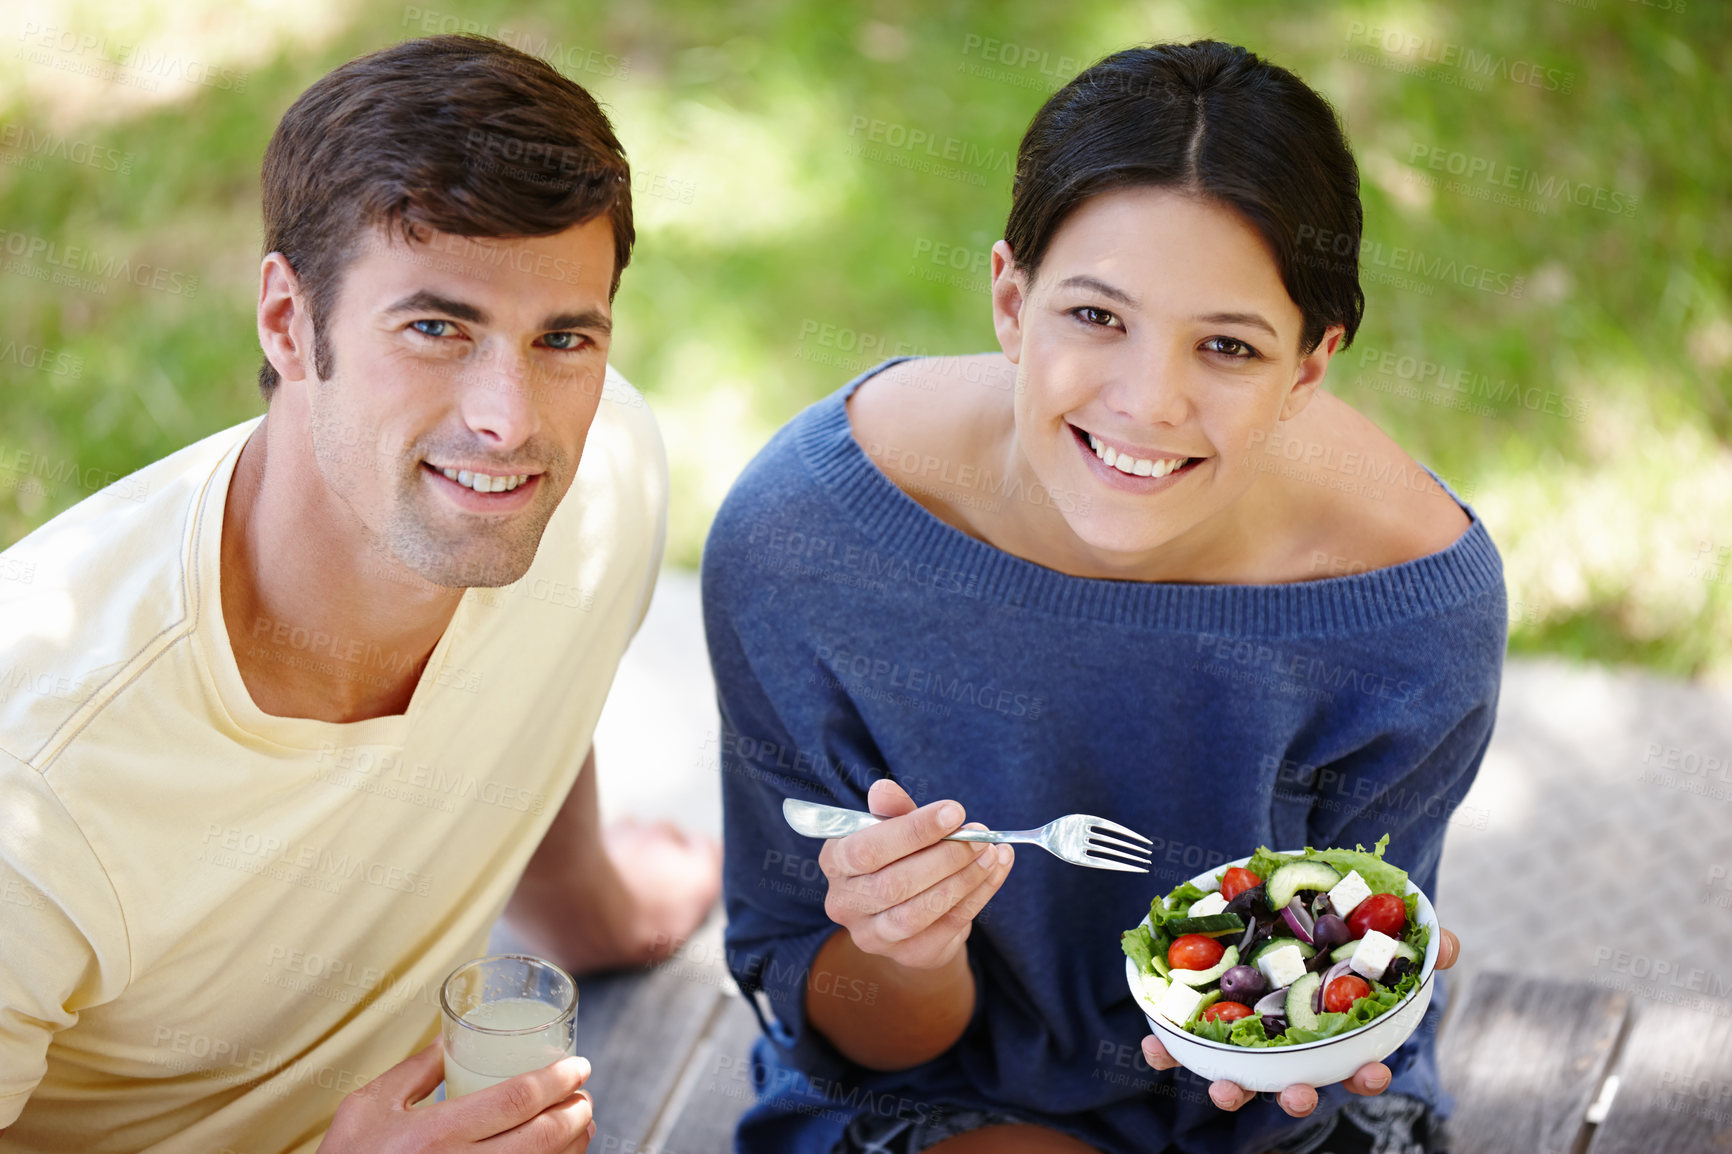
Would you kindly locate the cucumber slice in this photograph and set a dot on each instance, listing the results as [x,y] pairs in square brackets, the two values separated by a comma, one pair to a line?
[1299,875]
[1154,988]
[1305,949]
[1159,960]
[1203,977]
[1402,950]
[1209,925]
[1209,999]
[1299,1012]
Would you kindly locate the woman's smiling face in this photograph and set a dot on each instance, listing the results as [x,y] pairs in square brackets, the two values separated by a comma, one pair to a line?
[1157,336]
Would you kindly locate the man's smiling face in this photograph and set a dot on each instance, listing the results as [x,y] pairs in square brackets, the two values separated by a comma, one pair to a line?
[466,374]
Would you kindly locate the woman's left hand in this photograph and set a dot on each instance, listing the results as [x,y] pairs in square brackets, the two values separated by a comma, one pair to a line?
[1371,1078]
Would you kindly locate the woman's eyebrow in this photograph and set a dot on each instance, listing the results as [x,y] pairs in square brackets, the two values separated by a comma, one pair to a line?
[1252,319]
[1099,286]
[1095,284]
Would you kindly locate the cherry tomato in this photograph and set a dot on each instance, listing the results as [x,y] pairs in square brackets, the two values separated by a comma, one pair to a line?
[1194,952]
[1342,993]
[1385,913]
[1226,1012]
[1237,880]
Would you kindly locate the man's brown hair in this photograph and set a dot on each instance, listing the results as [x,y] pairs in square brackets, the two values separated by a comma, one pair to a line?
[461,134]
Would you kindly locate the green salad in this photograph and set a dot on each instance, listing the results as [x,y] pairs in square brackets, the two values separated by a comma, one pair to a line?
[1287,948]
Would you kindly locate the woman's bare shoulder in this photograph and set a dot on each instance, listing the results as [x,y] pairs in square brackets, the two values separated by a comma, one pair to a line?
[1386,509]
[922,421]
[928,403]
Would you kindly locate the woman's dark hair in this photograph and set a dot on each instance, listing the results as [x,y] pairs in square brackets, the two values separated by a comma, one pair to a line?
[461,134]
[1215,121]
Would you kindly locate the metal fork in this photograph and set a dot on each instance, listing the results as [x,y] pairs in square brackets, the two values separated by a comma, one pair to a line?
[1075,838]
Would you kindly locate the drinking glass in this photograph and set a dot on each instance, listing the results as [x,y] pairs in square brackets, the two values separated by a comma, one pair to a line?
[504,1015]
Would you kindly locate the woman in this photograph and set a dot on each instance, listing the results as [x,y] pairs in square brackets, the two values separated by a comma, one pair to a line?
[1137,565]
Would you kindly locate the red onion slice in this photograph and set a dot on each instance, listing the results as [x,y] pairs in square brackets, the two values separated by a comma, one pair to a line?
[1298,920]
[1272,1005]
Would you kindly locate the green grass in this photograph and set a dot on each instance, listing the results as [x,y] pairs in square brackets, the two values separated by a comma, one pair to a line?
[776,237]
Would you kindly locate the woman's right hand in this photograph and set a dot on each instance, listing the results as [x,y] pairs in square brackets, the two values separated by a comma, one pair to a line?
[900,890]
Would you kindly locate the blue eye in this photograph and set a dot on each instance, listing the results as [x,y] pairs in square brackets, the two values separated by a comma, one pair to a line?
[564,342]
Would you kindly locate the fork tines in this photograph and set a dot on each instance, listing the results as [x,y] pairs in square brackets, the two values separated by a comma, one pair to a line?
[1103,846]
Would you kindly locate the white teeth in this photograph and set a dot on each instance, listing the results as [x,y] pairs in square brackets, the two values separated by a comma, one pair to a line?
[485,482]
[1133,466]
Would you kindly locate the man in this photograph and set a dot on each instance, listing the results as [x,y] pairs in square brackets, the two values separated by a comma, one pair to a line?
[314,711]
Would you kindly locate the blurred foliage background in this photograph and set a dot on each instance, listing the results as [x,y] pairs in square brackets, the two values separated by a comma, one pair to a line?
[818,184]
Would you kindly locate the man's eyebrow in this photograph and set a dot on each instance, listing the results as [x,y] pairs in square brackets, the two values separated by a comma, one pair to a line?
[1100,286]
[587,319]
[1254,320]
[426,301]
[431,302]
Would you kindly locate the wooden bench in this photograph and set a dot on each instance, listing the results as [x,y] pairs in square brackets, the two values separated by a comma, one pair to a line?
[669,1047]
[1542,1066]
[1536,1065]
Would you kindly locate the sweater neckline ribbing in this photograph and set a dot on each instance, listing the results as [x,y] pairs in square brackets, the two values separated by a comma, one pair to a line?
[911,539]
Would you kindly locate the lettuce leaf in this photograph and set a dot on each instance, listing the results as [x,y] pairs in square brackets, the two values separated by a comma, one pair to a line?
[1138,947]
[1247,1031]
[1417,934]
[1177,904]
[1265,862]
[1381,876]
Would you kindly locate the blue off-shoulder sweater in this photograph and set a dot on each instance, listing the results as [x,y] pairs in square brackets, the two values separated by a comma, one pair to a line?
[854,636]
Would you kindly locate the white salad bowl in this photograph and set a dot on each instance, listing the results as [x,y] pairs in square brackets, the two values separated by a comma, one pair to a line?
[1309,1063]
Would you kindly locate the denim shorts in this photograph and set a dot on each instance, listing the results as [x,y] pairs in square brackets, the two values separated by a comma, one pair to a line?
[1384,1124]
[872,1134]
[1380,1124]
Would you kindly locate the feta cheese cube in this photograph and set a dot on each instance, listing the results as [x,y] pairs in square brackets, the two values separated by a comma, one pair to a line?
[1179,1003]
[1347,893]
[1282,967]
[1207,904]
[1373,955]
